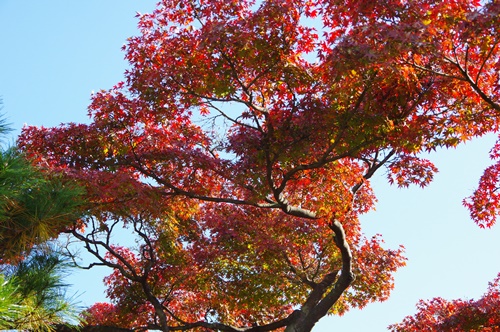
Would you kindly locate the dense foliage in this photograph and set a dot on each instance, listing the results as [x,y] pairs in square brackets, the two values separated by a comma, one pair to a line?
[239,148]
[457,315]
[34,208]
[32,293]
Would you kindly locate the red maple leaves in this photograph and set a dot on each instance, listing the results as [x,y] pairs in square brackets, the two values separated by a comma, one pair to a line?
[457,315]
[239,148]
[484,203]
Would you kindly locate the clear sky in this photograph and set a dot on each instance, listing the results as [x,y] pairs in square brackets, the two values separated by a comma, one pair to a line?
[54,53]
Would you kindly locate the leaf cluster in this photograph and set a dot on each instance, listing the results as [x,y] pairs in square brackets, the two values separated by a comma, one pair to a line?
[34,207]
[439,314]
[238,152]
[33,294]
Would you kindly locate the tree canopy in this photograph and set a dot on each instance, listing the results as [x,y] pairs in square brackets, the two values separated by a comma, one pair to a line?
[238,152]
[439,314]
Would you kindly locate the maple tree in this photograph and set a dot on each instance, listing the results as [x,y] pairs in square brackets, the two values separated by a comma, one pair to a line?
[457,315]
[239,148]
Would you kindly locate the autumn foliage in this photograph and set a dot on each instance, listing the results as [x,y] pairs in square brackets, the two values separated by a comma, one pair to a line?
[457,315]
[238,150]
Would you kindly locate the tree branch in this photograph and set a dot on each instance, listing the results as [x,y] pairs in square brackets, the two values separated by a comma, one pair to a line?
[343,282]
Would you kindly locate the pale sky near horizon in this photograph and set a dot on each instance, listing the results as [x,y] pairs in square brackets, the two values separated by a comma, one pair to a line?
[54,53]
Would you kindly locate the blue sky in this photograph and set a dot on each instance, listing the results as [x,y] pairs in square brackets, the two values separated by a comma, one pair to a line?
[54,53]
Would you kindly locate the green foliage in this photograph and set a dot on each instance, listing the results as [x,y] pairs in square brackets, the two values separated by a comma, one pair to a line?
[34,207]
[9,308]
[32,296]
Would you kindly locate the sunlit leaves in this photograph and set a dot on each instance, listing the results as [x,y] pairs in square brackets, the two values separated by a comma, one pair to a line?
[107,314]
[244,131]
[374,267]
[484,203]
[456,315]
[408,170]
[34,207]
[32,293]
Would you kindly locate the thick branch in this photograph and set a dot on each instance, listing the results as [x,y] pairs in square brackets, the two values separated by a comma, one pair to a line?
[319,290]
[343,282]
[156,305]
[317,305]
[294,210]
